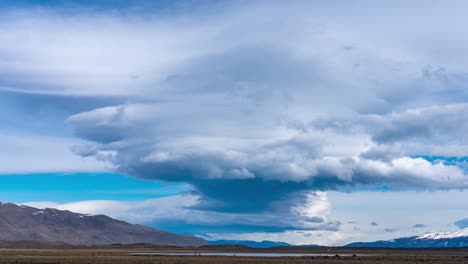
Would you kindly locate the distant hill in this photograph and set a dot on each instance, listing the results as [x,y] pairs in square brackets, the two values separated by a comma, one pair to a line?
[431,240]
[33,224]
[249,243]
[34,244]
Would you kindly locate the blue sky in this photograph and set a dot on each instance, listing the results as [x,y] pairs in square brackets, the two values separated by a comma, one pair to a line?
[70,187]
[302,121]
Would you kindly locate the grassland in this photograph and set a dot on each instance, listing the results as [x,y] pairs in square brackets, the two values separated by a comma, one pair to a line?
[120,254]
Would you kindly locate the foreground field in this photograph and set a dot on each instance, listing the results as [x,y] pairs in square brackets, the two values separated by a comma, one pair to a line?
[106,255]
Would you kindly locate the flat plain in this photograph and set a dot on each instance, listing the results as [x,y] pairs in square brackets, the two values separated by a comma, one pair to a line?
[121,254]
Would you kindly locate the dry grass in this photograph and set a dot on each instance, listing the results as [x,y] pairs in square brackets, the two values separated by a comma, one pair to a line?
[121,256]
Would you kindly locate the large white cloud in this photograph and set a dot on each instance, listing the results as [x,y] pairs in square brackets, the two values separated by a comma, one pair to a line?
[262,105]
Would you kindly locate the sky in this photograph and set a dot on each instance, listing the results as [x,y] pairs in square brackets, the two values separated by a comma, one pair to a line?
[309,122]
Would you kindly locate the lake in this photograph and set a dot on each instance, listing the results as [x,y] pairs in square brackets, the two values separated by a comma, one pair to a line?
[236,254]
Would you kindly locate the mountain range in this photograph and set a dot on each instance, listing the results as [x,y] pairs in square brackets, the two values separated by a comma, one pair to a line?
[19,222]
[249,243]
[431,240]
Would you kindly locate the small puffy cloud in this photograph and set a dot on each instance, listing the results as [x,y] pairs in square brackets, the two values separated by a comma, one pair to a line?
[373,224]
[419,226]
[390,230]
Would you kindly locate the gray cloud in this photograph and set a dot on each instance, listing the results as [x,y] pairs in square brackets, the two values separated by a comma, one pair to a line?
[178,213]
[257,121]
[440,123]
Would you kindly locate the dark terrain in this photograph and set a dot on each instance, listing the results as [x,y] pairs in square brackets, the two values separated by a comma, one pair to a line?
[60,253]
[26,232]
[28,223]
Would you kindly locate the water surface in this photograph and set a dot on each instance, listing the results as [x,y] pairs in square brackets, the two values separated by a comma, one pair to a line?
[235,254]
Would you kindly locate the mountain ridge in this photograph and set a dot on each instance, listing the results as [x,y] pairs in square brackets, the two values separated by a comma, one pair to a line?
[21,222]
[249,243]
[454,239]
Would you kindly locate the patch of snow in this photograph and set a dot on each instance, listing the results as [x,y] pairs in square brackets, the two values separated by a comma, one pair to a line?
[444,235]
[51,211]
[86,215]
[38,212]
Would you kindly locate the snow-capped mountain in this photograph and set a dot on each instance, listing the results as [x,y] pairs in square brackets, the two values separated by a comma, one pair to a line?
[445,235]
[431,240]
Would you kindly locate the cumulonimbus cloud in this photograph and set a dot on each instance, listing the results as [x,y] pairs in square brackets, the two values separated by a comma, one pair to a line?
[256,120]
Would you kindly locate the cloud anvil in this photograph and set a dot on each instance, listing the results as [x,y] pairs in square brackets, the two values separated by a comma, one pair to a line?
[261,118]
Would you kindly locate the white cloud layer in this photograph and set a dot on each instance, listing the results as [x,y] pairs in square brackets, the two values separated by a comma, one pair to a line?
[261,105]
[30,153]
